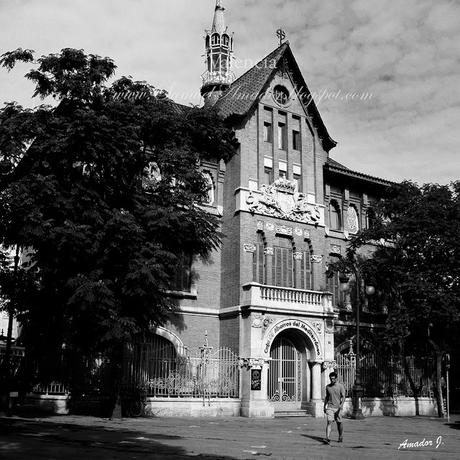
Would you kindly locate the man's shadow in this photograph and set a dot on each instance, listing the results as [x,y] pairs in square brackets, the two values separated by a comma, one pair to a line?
[320,439]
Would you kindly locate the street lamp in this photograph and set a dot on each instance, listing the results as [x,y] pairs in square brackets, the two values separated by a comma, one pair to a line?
[357,387]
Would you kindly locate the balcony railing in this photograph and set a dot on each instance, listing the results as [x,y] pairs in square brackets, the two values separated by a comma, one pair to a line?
[286,298]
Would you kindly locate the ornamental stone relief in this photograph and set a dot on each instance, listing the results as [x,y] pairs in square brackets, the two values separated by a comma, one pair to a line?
[283,230]
[249,247]
[257,320]
[329,365]
[252,363]
[335,249]
[281,200]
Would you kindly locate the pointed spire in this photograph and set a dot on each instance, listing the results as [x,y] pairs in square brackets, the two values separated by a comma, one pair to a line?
[219,53]
[218,23]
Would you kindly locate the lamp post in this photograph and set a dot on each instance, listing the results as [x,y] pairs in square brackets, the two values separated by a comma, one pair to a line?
[357,387]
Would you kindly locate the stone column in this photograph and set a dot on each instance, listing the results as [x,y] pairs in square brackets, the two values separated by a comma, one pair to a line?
[254,402]
[316,404]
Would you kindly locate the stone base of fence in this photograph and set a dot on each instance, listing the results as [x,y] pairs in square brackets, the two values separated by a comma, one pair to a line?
[402,406]
[54,404]
[192,407]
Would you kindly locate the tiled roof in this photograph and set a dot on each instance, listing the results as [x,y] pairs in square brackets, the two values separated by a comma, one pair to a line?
[332,162]
[335,167]
[244,92]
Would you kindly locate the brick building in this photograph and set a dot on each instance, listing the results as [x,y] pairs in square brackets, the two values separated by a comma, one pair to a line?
[287,210]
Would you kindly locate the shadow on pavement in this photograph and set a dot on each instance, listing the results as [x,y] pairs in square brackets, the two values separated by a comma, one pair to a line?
[455,425]
[320,439]
[22,438]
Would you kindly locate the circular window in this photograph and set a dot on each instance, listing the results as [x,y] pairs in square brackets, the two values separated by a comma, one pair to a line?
[281,95]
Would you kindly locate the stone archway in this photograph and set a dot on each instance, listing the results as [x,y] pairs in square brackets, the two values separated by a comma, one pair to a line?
[294,373]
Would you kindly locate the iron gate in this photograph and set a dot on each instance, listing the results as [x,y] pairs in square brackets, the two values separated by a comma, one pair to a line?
[285,372]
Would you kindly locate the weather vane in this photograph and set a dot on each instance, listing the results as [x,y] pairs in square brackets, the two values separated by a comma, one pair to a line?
[281,34]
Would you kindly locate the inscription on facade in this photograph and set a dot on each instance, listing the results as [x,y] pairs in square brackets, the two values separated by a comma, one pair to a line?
[285,324]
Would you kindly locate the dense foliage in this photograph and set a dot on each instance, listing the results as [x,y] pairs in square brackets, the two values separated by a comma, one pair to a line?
[416,265]
[102,192]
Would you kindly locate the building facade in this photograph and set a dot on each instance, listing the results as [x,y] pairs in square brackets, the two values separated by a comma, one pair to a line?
[287,211]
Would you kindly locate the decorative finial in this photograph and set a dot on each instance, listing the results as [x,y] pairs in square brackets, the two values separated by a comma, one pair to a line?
[281,34]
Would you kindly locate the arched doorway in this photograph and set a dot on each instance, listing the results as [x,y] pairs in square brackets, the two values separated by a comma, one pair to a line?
[288,373]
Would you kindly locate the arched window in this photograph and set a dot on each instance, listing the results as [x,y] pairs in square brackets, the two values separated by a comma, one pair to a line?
[335,216]
[258,266]
[207,41]
[225,39]
[156,358]
[283,262]
[215,39]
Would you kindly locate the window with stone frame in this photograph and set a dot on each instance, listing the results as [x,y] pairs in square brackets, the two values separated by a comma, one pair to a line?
[268,175]
[283,263]
[306,272]
[333,286]
[335,215]
[182,281]
[371,218]
[268,132]
[258,264]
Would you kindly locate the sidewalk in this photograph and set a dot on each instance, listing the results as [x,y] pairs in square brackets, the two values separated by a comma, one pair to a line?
[88,438]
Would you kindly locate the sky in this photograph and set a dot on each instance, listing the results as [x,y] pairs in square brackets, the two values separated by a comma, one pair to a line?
[384,73]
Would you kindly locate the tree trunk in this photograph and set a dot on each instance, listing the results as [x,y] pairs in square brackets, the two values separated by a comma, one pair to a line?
[116,365]
[439,399]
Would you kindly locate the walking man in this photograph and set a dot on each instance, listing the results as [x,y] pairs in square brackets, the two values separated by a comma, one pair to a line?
[333,405]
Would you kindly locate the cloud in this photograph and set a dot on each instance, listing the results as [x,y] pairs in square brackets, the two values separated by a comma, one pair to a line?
[404,53]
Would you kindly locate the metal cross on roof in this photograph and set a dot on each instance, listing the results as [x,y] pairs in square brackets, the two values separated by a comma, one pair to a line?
[281,34]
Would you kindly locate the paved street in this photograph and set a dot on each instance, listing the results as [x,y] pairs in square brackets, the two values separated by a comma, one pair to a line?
[88,438]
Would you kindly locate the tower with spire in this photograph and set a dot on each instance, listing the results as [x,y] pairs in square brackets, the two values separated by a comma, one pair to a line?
[219,51]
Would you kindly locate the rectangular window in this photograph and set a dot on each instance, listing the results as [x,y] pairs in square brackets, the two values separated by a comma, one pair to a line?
[259,261]
[295,140]
[183,279]
[268,132]
[268,173]
[305,271]
[282,168]
[283,267]
[298,182]
[282,136]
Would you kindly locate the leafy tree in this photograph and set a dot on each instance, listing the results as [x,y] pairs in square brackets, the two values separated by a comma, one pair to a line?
[103,192]
[416,265]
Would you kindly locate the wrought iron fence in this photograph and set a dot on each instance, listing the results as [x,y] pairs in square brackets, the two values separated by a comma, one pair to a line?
[157,369]
[382,376]
[53,388]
